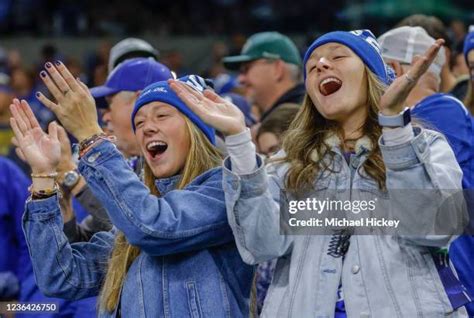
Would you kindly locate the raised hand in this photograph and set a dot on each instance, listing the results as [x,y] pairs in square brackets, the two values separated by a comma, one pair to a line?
[41,150]
[75,106]
[211,108]
[393,101]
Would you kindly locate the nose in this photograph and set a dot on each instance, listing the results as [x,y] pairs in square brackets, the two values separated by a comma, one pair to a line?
[106,116]
[241,78]
[149,127]
[323,64]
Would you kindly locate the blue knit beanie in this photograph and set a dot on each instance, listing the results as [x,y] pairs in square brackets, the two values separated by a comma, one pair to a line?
[364,44]
[162,92]
[468,44]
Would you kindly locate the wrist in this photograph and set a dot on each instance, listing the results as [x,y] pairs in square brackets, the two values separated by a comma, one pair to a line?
[87,133]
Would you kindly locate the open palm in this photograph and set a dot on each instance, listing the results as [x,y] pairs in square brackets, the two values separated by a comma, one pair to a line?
[41,150]
[393,101]
[211,108]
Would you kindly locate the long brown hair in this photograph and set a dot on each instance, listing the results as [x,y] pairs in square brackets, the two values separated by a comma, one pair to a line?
[202,156]
[469,99]
[309,130]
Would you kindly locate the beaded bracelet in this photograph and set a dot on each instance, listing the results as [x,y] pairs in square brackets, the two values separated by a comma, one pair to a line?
[45,193]
[90,141]
[44,176]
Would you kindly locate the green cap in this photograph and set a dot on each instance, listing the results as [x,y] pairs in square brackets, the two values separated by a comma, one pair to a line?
[268,45]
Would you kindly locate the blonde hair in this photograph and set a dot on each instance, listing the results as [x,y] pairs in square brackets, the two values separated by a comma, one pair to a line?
[307,134]
[202,156]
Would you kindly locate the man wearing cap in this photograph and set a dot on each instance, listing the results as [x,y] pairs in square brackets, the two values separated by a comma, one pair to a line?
[122,88]
[448,115]
[130,48]
[269,68]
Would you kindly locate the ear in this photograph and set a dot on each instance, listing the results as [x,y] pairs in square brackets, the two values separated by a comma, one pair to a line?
[397,67]
[279,70]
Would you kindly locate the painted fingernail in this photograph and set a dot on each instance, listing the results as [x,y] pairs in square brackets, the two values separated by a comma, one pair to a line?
[58,63]
[38,94]
[48,65]
[43,74]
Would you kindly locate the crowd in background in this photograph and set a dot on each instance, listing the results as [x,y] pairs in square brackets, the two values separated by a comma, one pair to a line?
[267,114]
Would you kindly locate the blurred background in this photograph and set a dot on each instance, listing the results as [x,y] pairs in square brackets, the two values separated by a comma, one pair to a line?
[190,35]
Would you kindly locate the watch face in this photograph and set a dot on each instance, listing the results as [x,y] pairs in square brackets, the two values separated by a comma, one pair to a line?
[70,178]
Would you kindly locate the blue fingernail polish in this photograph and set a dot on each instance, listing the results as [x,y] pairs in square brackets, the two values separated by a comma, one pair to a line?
[43,74]
[48,65]
[38,94]
[57,63]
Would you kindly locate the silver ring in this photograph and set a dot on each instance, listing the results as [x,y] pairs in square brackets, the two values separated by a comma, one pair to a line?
[410,79]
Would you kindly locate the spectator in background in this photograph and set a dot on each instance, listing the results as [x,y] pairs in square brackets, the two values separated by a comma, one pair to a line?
[437,30]
[24,87]
[130,48]
[469,58]
[269,68]
[174,60]
[17,280]
[6,96]
[449,116]
[271,131]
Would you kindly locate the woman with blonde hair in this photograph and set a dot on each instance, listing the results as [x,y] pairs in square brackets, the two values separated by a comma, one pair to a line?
[172,252]
[353,137]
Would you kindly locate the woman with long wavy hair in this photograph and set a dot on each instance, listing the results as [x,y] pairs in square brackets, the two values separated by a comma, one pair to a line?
[352,138]
[172,252]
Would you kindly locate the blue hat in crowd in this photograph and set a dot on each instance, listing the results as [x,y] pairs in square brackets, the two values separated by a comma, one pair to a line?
[162,92]
[132,75]
[468,44]
[361,42]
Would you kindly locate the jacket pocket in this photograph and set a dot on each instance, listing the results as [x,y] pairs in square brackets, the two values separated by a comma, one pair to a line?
[193,300]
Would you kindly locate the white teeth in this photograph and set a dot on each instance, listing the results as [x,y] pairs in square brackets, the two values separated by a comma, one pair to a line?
[155,143]
[330,79]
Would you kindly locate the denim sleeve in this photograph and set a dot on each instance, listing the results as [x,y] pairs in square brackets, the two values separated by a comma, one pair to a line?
[182,220]
[70,271]
[253,212]
[427,165]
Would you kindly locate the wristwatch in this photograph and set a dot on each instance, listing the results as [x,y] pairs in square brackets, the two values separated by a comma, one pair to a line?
[71,178]
[400,120]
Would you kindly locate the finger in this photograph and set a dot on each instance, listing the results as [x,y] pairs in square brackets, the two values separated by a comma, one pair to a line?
[53,130]
[20,122]
[14,141]
[57,78]
[187,98]
[184,87]
[62,136]
[20,154]
[16,130]
[51,85]
[47,102]
[209,93]
[420,64]
[23,114]
[83,86]
[29,114]
[67,76]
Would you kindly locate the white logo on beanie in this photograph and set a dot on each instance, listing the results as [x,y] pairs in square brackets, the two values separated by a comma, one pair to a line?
[369,37]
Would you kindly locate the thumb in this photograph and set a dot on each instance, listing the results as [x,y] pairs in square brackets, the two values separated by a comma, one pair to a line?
[62,135]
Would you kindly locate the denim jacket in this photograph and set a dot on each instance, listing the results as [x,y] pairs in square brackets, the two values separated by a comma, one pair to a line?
[189,265]
[382,276]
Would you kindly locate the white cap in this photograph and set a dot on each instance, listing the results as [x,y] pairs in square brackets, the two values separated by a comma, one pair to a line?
[404,43]
[128,46]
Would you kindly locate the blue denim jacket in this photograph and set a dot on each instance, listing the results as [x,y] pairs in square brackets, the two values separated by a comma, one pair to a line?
[189,265]
[382,276]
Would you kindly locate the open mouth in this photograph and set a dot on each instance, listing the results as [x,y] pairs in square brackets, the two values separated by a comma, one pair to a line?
[329,86]
[156,148]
